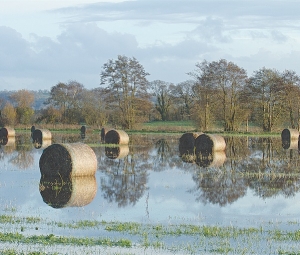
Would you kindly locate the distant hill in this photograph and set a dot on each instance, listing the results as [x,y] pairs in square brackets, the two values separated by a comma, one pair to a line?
[39,97]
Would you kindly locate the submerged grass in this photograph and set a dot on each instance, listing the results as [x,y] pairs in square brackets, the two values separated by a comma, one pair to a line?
[187,238]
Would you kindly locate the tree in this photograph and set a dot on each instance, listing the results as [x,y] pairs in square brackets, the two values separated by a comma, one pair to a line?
[67,99]
[183,94]
[204,91]
[266,89]
[23,100]
[291,83]
[8,115]
[93,107]
[126,82]
[162,92]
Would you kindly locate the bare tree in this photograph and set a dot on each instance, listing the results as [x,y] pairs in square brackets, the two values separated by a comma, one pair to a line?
[126,81]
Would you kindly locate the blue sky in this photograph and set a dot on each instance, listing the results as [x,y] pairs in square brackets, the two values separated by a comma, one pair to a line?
[46,42]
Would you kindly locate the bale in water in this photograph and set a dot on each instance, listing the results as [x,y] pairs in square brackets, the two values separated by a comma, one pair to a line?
[209,143]
[83,129]
[289,134]
[103,133]
[41,134]
[187,146]
[68,159]
[7,132]
[61,191]
[116,137]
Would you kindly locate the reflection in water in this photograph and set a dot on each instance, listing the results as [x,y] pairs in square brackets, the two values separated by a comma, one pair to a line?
[62,191]
[117,152]
[289,144]
[210,159]
[125,179]
[258,164]
[42,144]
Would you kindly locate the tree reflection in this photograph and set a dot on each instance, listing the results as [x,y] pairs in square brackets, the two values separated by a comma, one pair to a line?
[126,179]
[24,158]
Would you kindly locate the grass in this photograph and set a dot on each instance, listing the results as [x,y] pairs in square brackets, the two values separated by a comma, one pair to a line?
[183,238]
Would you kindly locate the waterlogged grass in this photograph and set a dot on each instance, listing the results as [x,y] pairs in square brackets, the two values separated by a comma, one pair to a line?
[181,238]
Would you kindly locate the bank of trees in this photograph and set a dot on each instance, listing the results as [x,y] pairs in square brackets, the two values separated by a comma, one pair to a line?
[217,93]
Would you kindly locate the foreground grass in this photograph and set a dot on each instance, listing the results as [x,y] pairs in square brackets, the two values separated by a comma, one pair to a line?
[182,238]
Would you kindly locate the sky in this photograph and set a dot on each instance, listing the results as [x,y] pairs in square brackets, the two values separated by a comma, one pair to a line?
[46,42]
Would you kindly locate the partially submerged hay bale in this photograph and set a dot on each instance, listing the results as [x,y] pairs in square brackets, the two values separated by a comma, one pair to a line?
[116,137]
[7,132]
[61,191]
[68,159]
[213,159]
[289,134]
[209,143]
[41,134]
[117,152]
[187,143]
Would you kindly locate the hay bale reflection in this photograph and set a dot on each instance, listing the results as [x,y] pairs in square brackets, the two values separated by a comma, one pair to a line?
[117,152]
[74,159]
[60,191]
[42,144]
[211,159]
[8,141]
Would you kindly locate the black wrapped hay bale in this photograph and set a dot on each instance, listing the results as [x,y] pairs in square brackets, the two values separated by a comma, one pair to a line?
[68,159]
[116,137]
[60,191]
[209,142]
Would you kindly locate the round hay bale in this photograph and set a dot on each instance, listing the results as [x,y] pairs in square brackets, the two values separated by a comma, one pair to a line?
[117,152]
[41,134]
[187,143]
[32,129]
[116,137]
[62,191]
[7,132]
[214,159]
[289,134]
[68,159]
[209,143]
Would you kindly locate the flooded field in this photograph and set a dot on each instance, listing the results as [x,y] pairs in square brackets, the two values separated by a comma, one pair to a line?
[146,198]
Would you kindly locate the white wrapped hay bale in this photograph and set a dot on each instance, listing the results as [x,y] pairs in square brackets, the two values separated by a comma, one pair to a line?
[68,159]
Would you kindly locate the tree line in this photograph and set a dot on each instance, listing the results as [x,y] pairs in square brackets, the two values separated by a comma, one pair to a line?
[217,92]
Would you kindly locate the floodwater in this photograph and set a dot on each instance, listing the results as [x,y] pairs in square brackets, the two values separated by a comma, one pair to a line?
[255,180]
